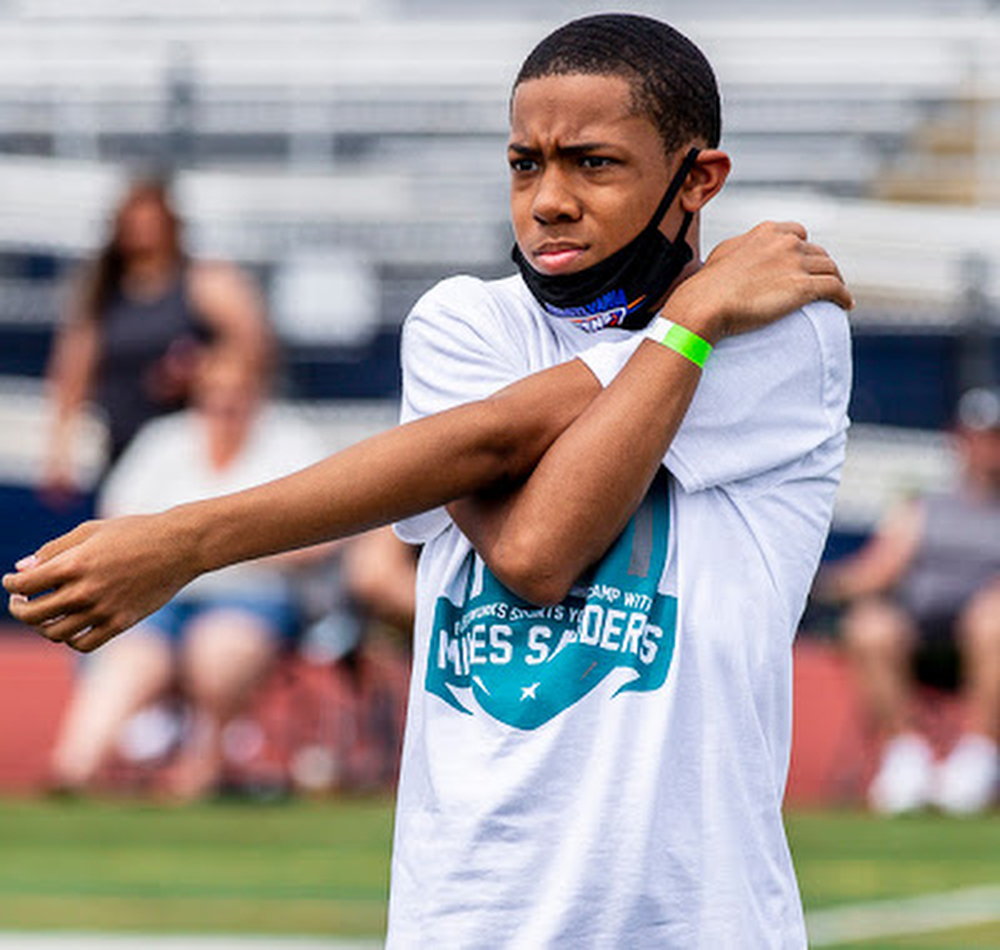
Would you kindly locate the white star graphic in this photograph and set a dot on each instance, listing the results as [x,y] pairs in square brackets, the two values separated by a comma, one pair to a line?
[528,692]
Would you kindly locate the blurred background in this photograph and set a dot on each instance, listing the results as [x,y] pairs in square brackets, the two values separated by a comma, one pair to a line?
[347,154]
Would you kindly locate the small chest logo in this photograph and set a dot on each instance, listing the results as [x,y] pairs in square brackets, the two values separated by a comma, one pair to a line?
[608,310]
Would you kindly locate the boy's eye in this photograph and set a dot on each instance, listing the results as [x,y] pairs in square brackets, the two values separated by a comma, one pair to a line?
[523,165]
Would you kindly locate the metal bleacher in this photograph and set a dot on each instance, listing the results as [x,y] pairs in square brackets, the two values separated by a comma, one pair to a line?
[843,94]
[376,127]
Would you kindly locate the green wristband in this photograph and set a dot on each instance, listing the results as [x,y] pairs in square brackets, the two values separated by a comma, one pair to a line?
[679,339]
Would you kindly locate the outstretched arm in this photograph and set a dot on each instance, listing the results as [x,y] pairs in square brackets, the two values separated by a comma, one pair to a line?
[91,584]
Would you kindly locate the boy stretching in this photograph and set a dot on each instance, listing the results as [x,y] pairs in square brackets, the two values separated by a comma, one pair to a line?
[599,720]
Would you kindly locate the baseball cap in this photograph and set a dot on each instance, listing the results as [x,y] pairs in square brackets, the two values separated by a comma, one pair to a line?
[979,409]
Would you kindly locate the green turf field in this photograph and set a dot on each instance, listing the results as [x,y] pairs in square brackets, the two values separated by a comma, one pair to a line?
[322,868]
[302,868]
[848,858]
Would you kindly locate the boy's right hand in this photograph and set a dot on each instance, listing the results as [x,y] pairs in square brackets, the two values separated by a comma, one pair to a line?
[757,278]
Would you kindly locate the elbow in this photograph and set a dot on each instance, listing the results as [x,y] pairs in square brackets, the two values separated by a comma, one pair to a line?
[537,588]
[533,572]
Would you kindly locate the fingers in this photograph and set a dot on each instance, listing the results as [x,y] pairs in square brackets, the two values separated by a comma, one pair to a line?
[64,629]
[784,248]
[815,251]
[78,627]
[89,640]
[793,228]
[46,608]
[767,239]
[47,596]
[31,581]
[831,287]
[786,227]
[71,539]
[817,259]
[821,263]
[44,570]
[828,282]
[54,591]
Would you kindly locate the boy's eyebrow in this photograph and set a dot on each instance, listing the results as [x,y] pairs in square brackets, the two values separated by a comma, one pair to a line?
[570,150]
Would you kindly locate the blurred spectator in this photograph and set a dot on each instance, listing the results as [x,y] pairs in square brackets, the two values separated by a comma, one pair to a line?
[929,577]
[219,636]
[134,321]
[349,728]
[381,575]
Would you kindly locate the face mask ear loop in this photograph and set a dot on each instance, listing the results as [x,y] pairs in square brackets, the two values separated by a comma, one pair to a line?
[683,230]
[672,189]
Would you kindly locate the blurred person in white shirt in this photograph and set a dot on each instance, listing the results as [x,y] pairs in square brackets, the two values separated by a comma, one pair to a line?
[219,636]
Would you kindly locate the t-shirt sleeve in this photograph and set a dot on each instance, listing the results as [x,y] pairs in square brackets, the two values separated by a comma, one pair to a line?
[766,399]
[771,398]
[455,349]
[605,360]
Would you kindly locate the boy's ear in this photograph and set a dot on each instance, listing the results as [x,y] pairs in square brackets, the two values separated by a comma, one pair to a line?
[705,180]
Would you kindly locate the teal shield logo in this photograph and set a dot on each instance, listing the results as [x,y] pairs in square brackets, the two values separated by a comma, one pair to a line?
[524,664]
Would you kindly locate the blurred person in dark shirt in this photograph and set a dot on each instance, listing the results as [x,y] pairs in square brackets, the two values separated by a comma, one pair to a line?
[135,318]
[930,578]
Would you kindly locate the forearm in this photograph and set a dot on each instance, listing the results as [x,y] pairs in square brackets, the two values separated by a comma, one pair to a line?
[589,483]
[878,566]
[66,399]
[99,579]
[72,365]
[399,473]
[861,576]
[69,378]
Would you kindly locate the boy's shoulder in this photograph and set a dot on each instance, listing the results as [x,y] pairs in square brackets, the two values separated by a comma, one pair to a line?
[820,328]
[461,291]
[483,314]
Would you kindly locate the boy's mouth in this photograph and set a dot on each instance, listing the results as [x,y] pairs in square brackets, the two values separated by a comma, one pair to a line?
[557,256]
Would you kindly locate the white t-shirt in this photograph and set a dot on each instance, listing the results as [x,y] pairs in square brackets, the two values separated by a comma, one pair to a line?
[167,464]
[609,772]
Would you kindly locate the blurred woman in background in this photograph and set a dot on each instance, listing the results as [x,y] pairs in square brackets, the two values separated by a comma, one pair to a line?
[135,319]
[219,637]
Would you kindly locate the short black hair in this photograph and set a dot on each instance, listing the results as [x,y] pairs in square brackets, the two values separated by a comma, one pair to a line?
[672,82]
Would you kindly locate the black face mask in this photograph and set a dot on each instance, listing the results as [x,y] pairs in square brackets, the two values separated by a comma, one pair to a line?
[623,289]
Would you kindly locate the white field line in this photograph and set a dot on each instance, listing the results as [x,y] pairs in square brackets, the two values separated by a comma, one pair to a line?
[924,913]
[851,923]
[100,941]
